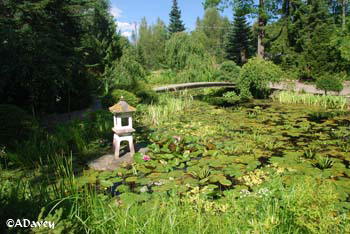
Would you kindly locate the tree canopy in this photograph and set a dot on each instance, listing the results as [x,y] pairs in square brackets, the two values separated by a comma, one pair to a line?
[57,54]
[176,24]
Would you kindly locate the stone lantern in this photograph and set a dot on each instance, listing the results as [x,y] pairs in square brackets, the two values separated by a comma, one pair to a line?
[122,113]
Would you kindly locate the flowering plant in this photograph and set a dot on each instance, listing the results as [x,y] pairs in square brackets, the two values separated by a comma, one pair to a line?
[146,158]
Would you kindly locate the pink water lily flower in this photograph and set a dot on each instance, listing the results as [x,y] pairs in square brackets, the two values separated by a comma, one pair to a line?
[146,157]
[177,139]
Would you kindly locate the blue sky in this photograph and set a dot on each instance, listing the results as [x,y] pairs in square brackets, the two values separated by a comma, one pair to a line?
[128,13]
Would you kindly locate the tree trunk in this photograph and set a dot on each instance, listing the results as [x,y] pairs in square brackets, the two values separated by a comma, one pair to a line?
[261,28]
[243,56]
[344,15]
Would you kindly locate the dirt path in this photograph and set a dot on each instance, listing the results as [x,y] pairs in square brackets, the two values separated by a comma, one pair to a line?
[52,119]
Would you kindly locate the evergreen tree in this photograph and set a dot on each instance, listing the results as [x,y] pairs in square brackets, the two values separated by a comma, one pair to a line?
[213,27]
[53,51]
[238,39]
[152,41]
[176,24]
[101,43]
[306,46]
[159,39]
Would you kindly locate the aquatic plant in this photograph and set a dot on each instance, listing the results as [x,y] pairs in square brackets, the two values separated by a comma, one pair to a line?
[311,151]
[345,146]
[167,107]
[326,101]
[324,162]
[272,144]
[201,173]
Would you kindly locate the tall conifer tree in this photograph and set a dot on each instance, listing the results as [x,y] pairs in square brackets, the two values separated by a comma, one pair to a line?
[238,39]
[176,24]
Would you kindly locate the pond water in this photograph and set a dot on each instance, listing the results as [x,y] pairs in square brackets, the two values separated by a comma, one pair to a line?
[239,147]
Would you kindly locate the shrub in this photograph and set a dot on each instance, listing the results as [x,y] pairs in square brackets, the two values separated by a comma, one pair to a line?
[255,77]
[147,96]
[112,98]
[329,82]
[229,71]
[15,124]
[230,95]
[168,77]
[145,93]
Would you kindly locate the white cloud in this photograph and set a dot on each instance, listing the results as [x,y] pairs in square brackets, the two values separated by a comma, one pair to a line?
[127,34]
[125,26]
[116,12]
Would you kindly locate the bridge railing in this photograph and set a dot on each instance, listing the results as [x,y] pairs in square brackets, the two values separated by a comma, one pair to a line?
[176,87]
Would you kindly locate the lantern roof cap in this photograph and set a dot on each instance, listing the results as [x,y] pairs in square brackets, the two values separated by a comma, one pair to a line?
[121,107]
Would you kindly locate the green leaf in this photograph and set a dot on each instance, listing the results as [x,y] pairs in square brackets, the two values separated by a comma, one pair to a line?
[106,183]
[131,179]
[225,182]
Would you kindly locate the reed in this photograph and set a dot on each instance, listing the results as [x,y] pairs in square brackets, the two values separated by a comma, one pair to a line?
[325,101]
[168,106]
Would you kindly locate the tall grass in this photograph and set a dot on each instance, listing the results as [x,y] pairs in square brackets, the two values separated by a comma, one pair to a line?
[81,137]
[326,101]
[25,193]
[307,206]
[168,106]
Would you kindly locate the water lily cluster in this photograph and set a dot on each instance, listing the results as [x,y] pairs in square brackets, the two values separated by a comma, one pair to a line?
[196,198]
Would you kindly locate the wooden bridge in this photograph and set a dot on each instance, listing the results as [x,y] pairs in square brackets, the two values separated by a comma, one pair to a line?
[176,87]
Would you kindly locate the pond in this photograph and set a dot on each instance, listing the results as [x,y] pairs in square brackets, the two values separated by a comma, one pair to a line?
[235,148]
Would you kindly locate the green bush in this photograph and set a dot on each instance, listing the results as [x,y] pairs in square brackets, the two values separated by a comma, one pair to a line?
[231,95]
[229,71]
[329,82]
[161,77]
[145,93]
[147,96]
[167,77]
[114,97]
[255,77]
[15,124]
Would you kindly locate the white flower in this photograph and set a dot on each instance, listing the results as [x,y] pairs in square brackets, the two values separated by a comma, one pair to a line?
[144,189]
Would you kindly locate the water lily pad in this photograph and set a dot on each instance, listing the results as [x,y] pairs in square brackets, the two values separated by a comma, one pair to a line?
[190,181]
[131,198]
[176,174]
[225,182]
[144,181]
[212,186]
[131,179]
[123,188]
[217,178]
[106,183]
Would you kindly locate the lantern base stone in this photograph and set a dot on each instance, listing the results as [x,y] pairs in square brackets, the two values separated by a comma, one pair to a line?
[117,139]
[107,162]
